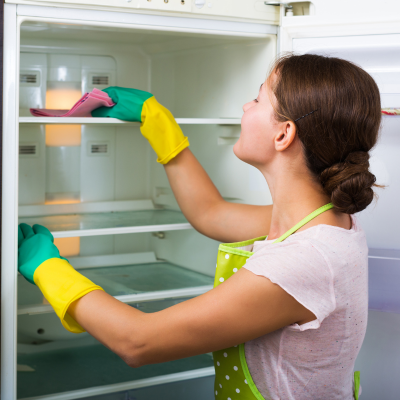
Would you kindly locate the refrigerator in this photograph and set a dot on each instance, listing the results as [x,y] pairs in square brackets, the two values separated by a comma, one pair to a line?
[95,182]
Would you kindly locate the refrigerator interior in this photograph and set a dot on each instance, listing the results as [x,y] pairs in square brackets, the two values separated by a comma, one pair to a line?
[96,185]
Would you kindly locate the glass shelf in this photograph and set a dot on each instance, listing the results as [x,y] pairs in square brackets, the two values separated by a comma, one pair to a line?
[81,371]
[132,279]
[114,121]
[110,223]
[129,283]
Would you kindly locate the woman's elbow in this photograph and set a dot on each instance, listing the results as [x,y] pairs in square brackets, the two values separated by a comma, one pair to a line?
[134,354]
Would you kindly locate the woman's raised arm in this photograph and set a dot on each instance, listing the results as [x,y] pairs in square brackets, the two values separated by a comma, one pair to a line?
[204,207]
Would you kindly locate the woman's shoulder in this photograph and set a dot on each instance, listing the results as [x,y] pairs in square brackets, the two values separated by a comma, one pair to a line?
[329,237]
[321,244]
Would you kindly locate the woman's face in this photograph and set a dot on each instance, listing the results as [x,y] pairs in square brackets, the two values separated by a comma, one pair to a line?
[259,129]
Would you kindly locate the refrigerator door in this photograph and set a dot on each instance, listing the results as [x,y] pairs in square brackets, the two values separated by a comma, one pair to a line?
[368,34]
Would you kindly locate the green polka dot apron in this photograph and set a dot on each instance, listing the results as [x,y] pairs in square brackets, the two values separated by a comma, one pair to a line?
[232,377]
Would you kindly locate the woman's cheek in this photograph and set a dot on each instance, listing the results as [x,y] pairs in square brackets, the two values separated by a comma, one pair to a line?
[251,146]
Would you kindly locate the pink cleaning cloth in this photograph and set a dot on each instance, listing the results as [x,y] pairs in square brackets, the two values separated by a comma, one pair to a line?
[83,107]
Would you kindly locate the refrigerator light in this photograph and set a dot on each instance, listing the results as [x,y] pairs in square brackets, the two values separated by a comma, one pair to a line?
[68,247]
[61,97]
[63,135]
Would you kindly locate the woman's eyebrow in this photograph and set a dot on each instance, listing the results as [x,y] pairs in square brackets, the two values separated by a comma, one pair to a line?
[261,86]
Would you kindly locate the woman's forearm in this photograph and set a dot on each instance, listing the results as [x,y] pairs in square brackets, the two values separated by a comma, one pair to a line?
[197,196]
[124,327]
[204,207]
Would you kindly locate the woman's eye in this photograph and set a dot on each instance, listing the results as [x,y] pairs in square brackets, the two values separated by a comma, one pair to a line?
[256,100]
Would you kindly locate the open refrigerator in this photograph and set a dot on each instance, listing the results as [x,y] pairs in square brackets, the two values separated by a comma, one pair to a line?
[96,185]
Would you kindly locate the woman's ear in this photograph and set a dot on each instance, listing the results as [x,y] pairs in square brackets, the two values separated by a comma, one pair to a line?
[286,136]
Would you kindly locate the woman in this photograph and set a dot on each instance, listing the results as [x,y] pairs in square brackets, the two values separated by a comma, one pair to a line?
[300,302]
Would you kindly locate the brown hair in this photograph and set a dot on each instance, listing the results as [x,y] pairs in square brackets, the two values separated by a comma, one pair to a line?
[337,111]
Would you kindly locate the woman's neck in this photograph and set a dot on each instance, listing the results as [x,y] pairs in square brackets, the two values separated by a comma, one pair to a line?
[295,195]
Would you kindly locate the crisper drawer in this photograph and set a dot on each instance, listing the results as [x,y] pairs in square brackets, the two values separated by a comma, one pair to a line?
[74,369]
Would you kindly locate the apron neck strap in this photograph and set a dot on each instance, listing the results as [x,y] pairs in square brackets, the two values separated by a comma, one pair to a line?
[304,221]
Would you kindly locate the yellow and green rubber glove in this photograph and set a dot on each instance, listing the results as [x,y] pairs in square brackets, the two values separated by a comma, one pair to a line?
[158,124]
[39,261]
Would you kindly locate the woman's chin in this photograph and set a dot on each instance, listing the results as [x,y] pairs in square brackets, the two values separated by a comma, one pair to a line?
[236,149]
[239,153]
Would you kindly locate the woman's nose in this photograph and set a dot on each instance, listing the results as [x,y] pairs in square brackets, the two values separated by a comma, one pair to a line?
[247,105]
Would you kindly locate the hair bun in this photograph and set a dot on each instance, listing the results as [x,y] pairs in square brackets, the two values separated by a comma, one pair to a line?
[349,183]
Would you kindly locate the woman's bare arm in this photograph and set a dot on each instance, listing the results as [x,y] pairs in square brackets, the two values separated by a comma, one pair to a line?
[206,210]
[242,308]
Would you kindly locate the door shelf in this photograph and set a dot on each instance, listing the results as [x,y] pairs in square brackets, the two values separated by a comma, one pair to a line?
[110,223]
[133,283]
[384,280]
[79,370]
[391,111]
[114,121]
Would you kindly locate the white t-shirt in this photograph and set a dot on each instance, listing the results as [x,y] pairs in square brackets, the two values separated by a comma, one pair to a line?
[325,268]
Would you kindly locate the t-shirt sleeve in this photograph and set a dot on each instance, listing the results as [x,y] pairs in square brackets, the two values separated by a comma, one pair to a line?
[302,271]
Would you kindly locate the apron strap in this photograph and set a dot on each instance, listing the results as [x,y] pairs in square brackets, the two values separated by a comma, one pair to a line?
[309,217]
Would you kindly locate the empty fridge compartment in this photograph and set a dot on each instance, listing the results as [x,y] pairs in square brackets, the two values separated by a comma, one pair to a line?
[82,368]
[186,67]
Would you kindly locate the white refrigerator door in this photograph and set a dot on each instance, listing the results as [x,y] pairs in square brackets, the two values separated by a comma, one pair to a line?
[368,34]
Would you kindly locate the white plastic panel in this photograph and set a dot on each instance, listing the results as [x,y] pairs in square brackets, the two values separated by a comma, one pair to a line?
[33,75]
[133,153]
[189,249]
[97,72]
[64,68]
[249,9]
[62,172]
[225,9]
[377,54]
[371,52]
[32,183]
[212,81]
[97,167]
